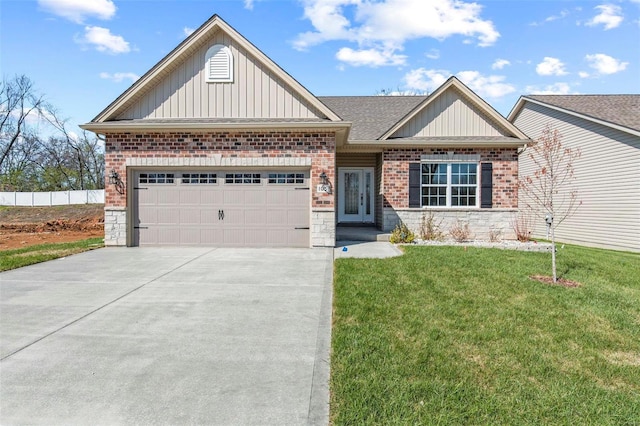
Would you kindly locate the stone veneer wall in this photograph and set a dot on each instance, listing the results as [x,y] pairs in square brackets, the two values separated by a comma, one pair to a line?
[310,148]
[482,222]
[395,187]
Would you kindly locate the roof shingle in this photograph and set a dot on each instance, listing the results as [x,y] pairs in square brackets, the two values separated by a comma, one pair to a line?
[372,116]
[623,110]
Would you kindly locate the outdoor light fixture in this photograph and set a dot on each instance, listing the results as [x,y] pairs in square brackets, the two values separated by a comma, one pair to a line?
[323,178]
[114,179]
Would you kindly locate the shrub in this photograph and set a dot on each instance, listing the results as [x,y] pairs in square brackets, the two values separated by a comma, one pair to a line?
[495,235]
[430,229]
[460,232]
[521,224]
[401,234]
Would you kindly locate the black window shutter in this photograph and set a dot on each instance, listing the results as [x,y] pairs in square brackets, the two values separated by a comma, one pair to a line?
[414,184]
[486,185]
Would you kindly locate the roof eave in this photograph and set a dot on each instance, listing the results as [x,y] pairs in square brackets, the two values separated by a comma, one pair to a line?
[112,126]
[523,99]
[443,143]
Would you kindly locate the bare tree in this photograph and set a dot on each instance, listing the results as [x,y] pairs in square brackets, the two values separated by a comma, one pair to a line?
[18,102]
[38,151]
[550,192]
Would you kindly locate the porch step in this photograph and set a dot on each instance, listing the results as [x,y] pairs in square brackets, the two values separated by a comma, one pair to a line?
[360,234]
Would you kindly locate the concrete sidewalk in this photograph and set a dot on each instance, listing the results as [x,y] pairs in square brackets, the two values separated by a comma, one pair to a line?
[366,249]
[168,336]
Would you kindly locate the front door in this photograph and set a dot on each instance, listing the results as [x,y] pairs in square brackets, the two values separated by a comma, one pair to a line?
[356,195]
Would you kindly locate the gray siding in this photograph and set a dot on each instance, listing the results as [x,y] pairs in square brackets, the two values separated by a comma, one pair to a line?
[256,92]
[450,114]
[607,179]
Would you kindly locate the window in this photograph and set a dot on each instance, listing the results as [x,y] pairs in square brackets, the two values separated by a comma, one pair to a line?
[156,178]
[449,184]
[282,178]
[242,178]
[218,64]
[199,178]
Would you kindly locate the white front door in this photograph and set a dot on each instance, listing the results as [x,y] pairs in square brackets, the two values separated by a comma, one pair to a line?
[356,199]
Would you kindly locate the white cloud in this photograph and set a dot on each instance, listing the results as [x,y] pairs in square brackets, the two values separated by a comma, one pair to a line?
[387,24]
[492,86]
[551,66]
[605,64]
[119,76]
[499,64]
[248,4]
[104,41]
[78,10]
[435,53]
[610,16]
[563,14]
[553,89]
[583,74]
[369,57]
[187,31]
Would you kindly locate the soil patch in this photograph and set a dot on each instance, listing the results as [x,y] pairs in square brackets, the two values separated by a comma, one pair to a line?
[561,281]
[27,226]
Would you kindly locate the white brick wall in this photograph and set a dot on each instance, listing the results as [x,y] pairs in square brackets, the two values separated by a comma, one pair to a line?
[115,226]
[481,221]
[323,228]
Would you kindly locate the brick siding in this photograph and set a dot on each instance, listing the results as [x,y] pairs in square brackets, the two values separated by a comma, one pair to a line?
[395,172]
[319,146]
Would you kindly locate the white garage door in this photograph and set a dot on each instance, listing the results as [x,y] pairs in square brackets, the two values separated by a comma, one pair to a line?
[222,208]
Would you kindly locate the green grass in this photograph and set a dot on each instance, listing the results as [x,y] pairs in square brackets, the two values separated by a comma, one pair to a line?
[11,259]
[444,335]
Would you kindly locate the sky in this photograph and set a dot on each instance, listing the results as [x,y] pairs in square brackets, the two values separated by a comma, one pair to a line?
[82,54]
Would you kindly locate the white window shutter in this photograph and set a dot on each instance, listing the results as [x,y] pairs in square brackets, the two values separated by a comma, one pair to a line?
[219,64]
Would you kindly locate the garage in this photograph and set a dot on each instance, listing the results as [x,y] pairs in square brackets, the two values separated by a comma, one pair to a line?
[222,208]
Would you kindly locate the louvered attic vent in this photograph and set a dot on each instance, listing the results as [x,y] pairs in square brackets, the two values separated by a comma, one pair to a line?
[219,64]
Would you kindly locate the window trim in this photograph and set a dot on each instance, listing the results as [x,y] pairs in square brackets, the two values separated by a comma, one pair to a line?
[450,161]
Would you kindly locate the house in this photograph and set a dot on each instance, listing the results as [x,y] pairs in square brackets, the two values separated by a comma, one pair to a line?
[217,145]
[606,129]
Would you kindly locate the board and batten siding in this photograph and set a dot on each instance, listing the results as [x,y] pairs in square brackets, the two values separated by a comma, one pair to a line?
[450,114]
[256,92]
[607,177]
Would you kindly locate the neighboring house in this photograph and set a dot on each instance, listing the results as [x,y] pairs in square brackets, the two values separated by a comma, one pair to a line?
[217,145]
[606,129]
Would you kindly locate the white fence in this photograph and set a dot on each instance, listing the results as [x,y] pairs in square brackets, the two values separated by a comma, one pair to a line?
[53,198]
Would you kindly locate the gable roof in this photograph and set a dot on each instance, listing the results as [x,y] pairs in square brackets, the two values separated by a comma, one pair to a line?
[184,49]
[617,111]
[371,116]
[477,101]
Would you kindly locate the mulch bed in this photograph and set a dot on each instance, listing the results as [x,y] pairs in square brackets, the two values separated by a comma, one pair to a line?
[561,281]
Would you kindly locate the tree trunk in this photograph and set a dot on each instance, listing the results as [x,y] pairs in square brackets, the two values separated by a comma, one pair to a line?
[553,254]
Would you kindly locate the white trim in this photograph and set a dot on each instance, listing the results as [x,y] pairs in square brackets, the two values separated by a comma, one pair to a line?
[361,216]
[450,158]
[449,185]
[218,64]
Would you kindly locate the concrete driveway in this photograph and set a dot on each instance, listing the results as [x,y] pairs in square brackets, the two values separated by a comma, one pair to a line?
[168,336]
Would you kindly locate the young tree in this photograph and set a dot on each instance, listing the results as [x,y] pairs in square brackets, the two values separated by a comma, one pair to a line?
[550,192]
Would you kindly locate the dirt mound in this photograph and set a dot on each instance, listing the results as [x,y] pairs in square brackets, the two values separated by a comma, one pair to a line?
[24,226]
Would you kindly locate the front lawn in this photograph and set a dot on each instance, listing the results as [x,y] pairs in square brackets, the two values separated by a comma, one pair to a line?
[448,335]
[17,258]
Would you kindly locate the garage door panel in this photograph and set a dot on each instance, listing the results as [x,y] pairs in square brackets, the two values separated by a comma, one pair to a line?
[254,217]
[190,197]
[189,236]
[210,236]
[168,216]
[211,196]
[208,217]
[168,197]
[189,216]
[237,212]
